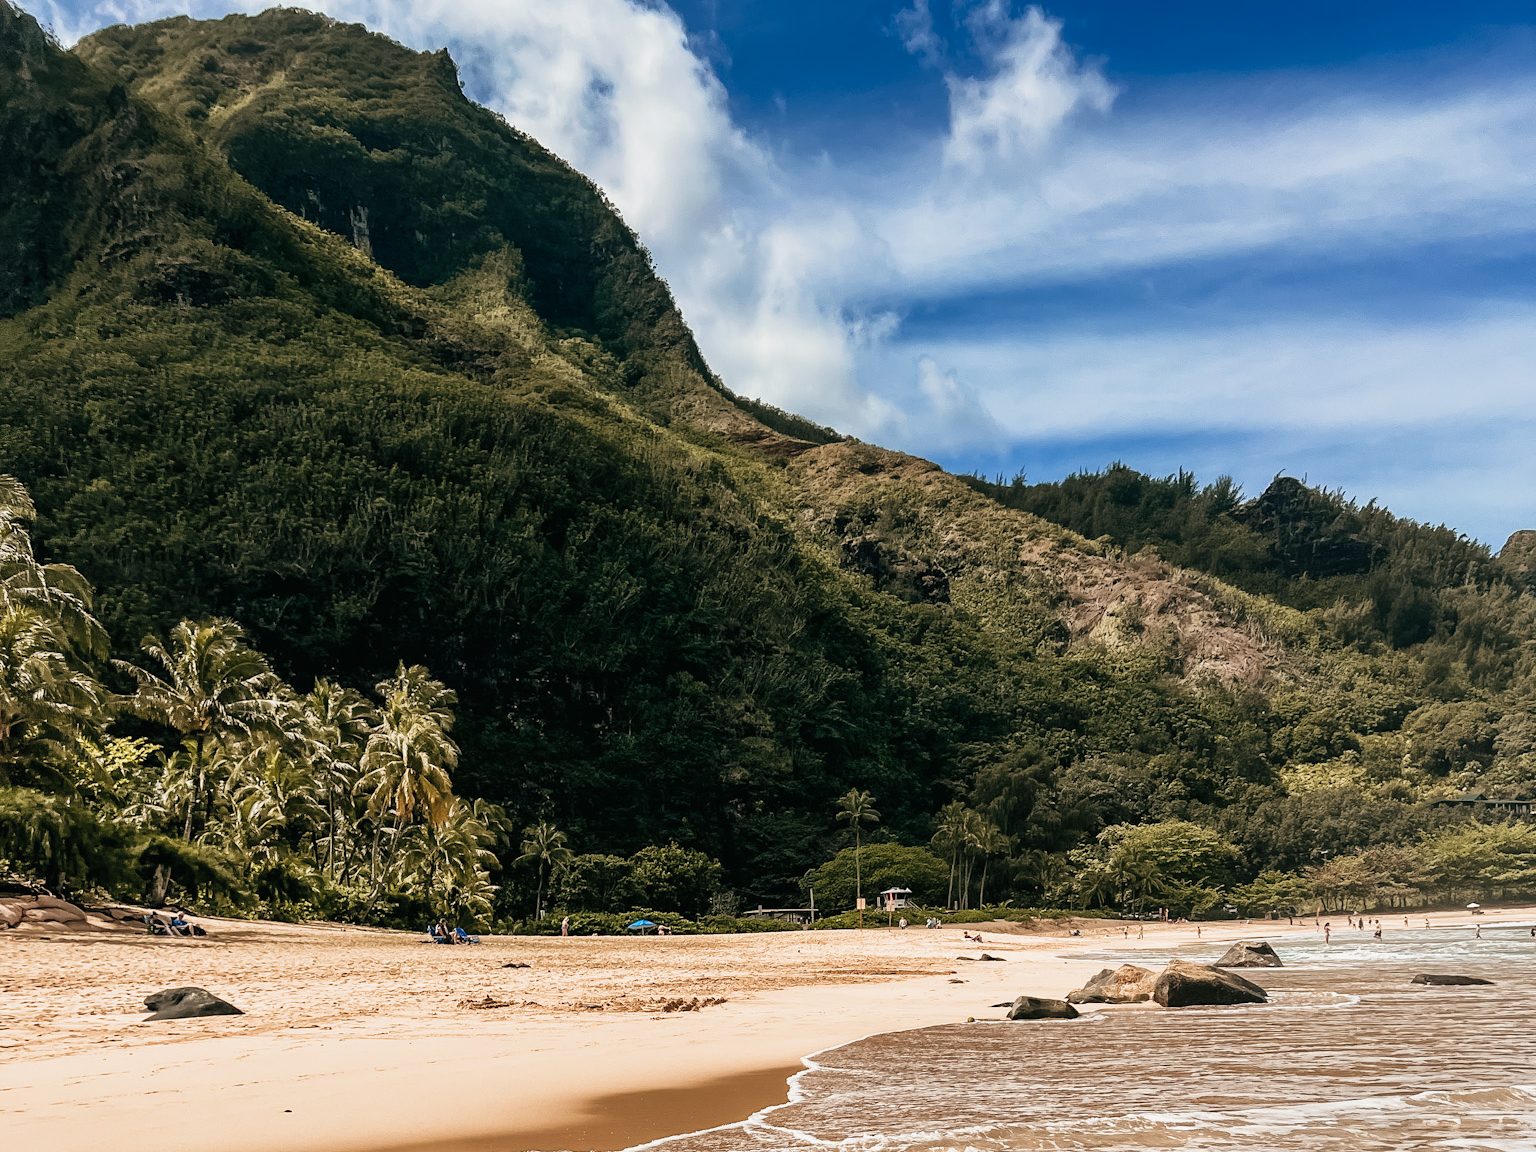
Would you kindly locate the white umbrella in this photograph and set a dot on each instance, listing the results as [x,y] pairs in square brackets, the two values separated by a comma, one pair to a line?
[1474,905]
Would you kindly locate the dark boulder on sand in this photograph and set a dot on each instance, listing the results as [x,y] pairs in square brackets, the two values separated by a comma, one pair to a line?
[1036,1008]
[1249,954]
[1185,985]
[1127,984]
[1447,981]
[186,1004]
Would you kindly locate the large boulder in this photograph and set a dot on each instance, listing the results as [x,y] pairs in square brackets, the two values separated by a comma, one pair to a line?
[1036,1008]
[1184,985]
[1127,984]
[1249,954]
[186,1004]
[1441,980]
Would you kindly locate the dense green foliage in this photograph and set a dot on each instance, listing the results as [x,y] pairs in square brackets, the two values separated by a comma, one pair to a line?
[327,377]
[1384,578]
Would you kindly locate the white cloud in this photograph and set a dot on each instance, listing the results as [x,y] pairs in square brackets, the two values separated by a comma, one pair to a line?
[915,26]
[1032,85]
[1293,376]
[1225,181]
[955,415]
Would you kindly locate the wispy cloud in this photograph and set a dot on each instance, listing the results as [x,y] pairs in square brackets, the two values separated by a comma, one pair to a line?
[1031,86]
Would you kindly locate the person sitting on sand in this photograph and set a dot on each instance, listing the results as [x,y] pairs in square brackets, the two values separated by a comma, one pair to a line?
[179,924]
[156,924]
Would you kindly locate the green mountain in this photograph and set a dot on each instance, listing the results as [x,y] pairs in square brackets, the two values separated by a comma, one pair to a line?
[293,333]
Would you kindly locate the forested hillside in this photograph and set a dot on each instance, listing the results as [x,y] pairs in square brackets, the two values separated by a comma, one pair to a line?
[304,354]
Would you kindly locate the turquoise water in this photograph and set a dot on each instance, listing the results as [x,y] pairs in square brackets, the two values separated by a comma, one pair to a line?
[1348,1057]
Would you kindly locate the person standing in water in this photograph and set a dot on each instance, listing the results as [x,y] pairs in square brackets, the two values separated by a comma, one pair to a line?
[1376,935]
[1327,933]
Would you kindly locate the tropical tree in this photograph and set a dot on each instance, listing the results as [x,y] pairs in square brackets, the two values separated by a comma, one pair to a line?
[211,688]
[58,591]
[887,866]
[949,839]
[48,703]
[336,723]
[408,757]
[451,859]
[671,878]
[544,845]
[49,698]
[991,844]
[858,809]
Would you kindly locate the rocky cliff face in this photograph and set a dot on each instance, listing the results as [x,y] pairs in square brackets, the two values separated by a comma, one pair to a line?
[1519,552]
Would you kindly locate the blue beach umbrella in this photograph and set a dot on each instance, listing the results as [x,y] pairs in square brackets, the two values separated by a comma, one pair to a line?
[642,925]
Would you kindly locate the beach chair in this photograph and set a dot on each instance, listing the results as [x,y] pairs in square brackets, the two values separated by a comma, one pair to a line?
[464,937]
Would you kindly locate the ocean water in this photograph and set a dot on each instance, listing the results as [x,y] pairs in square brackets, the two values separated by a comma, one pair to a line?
[1348,1057]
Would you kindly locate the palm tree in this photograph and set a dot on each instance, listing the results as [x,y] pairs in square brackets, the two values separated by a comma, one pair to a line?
[57,591]
[47,702]
[275,800]
[214,688]
[858,808]
[336,723]
[545,844]
[949,837]
[49,698]
[990,844]
[408,757]
[453,857]
[973,830]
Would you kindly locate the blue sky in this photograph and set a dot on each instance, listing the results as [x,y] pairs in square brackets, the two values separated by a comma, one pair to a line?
[1238,238]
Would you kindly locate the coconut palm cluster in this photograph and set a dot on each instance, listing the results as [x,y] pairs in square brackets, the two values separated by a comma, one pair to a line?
[197,773]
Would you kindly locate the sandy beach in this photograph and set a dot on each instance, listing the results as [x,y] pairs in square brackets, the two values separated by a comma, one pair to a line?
[360,1039]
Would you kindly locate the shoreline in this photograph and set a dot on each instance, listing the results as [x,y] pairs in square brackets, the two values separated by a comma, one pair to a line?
[358,1040]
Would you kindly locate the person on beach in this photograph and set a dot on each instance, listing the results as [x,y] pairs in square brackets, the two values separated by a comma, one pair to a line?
[1141,931]
[1376,935]
[1479,934]
[565,925]
[1327,933]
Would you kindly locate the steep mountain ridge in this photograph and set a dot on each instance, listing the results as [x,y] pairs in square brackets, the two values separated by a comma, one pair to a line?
[376,143]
